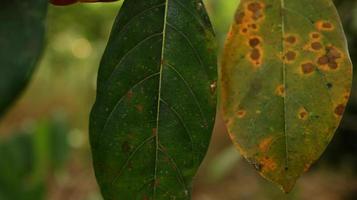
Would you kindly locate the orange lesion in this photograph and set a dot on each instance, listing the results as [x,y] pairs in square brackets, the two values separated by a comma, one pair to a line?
[255,56]
[307,67]
[330,58]
[315,44]
[267,164]
[289,56]
[249,19]
[324,25]
[241,113]
[254,41]
[340,109]
[315,35]
[265,144]
[256,10]
[280,90]
[346,96]
[247,22]
[303,114]
[291,39]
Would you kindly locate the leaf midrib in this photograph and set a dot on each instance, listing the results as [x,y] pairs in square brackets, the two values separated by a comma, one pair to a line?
[282,7]
[159,96]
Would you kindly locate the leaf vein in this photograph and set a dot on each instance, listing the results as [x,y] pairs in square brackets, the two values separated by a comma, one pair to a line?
[191,91]
[198,57]
[128,53]
[131,156]
[181,121]
[122,98]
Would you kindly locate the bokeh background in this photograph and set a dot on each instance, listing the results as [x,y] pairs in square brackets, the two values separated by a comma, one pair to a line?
[44,150]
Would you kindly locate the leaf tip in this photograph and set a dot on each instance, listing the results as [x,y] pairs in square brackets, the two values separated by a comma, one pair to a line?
[287,188]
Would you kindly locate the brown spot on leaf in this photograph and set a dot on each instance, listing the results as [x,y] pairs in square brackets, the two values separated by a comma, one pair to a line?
[291,39]
[255,54]
[329,85]
[267,164]
[280,90]
[254,42]
[315,35]
[249,19]
[139,107]
[316,46]
[256,9]
[303,114]
[264,145]
[327,25]
[241,113]
[307,68]
[323,60]
[239,17]
[333,53]
[333,65]
[330,58]
[324,25]
[340,109]
[290,56]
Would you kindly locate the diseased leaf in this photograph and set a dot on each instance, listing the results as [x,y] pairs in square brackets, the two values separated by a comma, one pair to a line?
[21,42]
[151,124]
[286,79]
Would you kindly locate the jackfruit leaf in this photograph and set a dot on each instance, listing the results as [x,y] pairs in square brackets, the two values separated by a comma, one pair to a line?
[21,42]
[156,100]
[286,78]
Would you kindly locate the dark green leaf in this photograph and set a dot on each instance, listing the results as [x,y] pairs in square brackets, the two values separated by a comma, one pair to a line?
[286,79]
[21,41]
[156,101]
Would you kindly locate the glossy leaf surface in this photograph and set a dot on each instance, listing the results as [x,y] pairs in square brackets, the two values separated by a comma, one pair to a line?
[154,113]
[286,79]
[21,42]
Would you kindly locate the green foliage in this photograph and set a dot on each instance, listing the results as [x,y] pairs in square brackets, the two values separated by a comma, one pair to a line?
[28,157]
[21,41]
[156,100]
[124,163]
[286,79]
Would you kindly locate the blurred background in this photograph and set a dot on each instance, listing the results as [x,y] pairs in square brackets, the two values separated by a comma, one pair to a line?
[44,151]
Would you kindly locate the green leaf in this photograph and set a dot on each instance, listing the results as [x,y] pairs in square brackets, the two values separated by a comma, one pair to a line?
[16,166]
[154,113]
[21,42]
[286,79]
[29,157]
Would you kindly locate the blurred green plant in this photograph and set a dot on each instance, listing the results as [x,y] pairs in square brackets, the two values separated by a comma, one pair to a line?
[29,156]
